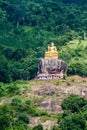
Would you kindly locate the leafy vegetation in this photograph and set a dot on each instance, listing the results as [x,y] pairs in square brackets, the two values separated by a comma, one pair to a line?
[20,106]
[23,118]
[73,115]
[73,103]
[26,29]
[16,115]
[15,112]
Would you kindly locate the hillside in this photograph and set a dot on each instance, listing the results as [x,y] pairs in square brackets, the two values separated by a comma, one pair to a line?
[40,101]
[75,54]
[27,27]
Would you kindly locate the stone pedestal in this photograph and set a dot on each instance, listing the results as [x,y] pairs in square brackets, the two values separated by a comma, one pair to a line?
[51,68]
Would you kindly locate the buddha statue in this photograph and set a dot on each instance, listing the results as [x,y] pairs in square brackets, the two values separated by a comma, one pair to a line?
[52,52]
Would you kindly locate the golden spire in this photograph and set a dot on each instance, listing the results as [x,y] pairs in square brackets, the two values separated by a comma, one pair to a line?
[52,52]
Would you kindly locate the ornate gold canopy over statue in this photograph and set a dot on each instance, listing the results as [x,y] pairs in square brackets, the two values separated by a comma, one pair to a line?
[52,52]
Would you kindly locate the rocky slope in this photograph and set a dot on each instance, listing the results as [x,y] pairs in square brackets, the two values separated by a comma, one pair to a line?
[48,95]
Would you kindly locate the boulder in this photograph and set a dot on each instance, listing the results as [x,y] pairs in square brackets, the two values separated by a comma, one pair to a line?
[51,66]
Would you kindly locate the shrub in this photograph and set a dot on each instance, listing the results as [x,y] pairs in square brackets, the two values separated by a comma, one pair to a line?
[20,125]
[5,117]
[38,127]
[73,122]
[55,128]
[64,76]
[13,88]
[37,112]
[4,121]
[59,117]
[57,83]
[28,102]
[3,89]
[73,103]
[23,118]
[16,101]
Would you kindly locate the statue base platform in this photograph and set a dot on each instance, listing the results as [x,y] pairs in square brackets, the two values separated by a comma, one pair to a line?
[49,76]
[51,69]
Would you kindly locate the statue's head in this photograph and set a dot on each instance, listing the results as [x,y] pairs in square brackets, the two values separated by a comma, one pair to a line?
[52,44]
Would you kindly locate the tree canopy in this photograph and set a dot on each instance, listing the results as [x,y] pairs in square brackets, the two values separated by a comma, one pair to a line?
[26,29]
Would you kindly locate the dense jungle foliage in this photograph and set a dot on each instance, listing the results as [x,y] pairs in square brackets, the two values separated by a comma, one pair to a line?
[28,26]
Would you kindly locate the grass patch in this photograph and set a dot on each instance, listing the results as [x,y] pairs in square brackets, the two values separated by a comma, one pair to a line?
[49,117]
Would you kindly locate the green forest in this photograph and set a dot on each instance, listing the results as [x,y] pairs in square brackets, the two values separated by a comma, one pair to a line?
[27,27]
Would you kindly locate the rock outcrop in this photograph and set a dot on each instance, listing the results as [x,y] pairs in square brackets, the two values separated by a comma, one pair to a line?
[51,66]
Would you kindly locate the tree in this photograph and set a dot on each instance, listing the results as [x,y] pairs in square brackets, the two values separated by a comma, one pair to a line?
[73,103]
[73,122]
[23,118]
[5,117]
[74,115]
[4,122]
[4,76]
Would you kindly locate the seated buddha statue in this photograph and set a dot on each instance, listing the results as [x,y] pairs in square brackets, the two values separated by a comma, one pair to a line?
[52,52]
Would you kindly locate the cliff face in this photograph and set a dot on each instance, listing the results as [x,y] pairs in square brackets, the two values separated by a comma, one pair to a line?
[51,66]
